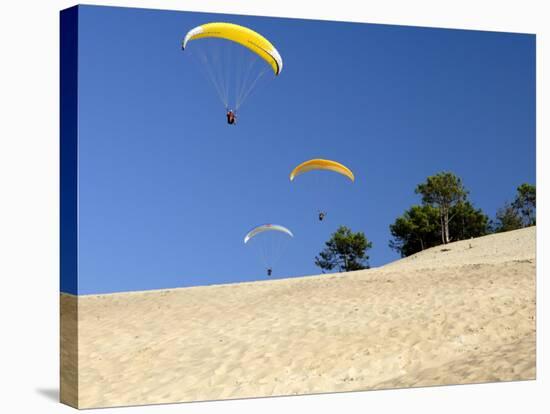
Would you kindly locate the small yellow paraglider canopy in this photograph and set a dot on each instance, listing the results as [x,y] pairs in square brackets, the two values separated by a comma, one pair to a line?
[242,35]
[321,164]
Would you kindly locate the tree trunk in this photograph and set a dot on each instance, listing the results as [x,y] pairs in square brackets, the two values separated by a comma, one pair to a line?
[442,227]
[446,221]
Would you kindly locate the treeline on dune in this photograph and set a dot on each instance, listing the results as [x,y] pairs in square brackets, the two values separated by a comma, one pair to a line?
[445,214]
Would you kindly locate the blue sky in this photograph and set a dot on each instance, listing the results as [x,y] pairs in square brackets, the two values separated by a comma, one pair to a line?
[167,190]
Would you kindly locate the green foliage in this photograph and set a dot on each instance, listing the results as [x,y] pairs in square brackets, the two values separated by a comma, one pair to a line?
[507,218]
[345,251]
[444,188]
[419,227]
[520,213]
[468,222]
[526,204]
[443,191]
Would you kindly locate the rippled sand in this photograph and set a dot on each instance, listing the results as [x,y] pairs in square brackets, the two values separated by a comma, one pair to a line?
[463,313]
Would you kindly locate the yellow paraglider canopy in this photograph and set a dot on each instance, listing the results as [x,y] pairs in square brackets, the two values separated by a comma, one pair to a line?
[242,35]
[320,164]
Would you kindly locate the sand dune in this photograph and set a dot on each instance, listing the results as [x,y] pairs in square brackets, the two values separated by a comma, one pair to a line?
[460,314]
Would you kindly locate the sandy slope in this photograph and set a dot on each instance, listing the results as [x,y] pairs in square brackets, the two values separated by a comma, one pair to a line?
[439,317]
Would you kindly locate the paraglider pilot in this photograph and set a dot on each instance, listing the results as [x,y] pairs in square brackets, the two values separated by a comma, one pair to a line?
[231,117]
[269,271]
[322,215]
